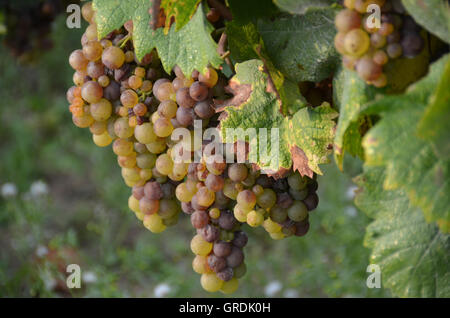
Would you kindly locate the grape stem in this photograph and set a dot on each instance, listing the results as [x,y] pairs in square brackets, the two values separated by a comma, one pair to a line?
[226,54]
[124,41]
[219,31]
[143,95]
[221,49]
[270,83]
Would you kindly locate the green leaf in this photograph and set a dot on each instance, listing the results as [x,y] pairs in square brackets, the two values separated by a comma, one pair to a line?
[251,10]
[351,94]
[410,161]
[413,255]
[245,43]
[291,98]
[304,138]
[181,10]
[301,6]
[301,47]
[433,15]
[112,14]
[192,47]
[435,122]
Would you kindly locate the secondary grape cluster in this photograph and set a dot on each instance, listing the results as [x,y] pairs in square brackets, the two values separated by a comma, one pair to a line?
[135,106]
[29,24]
[366,47]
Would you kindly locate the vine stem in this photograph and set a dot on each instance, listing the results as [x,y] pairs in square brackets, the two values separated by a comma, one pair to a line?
[217,32]
[124,41]
[221,49]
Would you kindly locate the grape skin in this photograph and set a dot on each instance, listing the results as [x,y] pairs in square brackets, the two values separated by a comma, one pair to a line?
[222,249]
[91,92]
[77,60]
[198,91]
[95,70]
[210,233]
[204,110]
[210,77]
[347,20]
[113,57]
[235,258]
[152,191]
[211,283]
[185,116]
[199,246]
[356,42]
[184,98]
[216,263]
[227,221]
[102,110]
[367,69]
[93,50]
[199,219]
[237,172]
[226,274]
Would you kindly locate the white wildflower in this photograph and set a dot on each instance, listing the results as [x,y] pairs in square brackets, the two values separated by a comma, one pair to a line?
[162,290]
[89,277]
[38,189]
[9,190]
[350,194]
[351,211]
[272,288]
[291,293]
[48,279]
[41,251]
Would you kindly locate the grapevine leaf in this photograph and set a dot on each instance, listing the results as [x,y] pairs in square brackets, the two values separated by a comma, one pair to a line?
[292,99]
[181,11]
[245,43]
[258,8]
[112,14]
[410,161]
[351,94]
[433,15]
[413,255]
[301,6]
[434,124]
[303,139]
[301,47]
[192,47]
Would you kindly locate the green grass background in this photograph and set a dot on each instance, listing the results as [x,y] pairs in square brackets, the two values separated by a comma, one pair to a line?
[85,219]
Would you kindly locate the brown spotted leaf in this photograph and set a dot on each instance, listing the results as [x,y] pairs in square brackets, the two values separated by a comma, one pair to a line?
[257,119]
[179,10]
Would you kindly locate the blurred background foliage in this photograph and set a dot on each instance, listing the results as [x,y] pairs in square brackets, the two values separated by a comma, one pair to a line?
[63,201]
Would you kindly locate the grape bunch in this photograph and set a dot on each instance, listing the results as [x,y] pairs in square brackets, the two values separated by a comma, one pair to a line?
[281,206]
[137,107]
[220,198]
[365,47]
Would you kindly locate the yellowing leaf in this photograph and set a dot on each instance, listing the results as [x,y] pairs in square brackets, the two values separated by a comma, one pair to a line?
[303,140]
